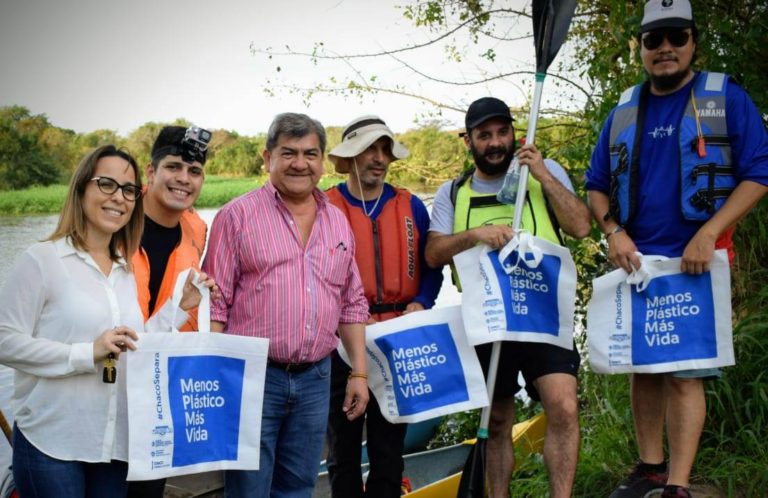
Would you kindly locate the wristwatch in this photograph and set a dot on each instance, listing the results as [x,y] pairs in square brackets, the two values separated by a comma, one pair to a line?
[618,229]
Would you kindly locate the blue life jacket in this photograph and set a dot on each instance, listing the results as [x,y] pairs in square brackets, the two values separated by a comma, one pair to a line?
[705,169]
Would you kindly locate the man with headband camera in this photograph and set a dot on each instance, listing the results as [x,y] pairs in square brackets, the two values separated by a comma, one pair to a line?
[174,234]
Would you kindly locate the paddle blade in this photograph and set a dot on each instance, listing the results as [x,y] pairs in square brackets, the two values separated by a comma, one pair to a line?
[551,20]
[472,484]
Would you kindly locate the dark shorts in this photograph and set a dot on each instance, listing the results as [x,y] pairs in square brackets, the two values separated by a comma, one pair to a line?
[531,358]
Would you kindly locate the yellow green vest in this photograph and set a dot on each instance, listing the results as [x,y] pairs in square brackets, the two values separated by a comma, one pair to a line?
[472,209]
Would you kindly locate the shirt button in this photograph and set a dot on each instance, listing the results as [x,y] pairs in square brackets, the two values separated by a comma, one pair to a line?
[309,290]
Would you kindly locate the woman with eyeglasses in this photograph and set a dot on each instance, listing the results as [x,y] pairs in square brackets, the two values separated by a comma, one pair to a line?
[69,309]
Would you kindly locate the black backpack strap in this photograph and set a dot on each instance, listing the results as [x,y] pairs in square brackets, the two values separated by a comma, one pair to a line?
[457,183]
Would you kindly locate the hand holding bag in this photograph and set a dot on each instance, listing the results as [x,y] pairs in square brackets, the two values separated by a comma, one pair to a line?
[194,399]
[420,366]
[658,319]
[524,292]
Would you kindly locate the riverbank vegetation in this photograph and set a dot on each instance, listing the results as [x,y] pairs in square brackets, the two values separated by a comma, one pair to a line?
[217,191]
[602,60]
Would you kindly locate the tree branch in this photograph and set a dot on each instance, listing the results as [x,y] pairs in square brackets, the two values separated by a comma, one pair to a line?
[315,55]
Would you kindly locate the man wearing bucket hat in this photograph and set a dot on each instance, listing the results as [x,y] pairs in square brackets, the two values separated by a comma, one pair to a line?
[466,212]
[680,160]
[390,227]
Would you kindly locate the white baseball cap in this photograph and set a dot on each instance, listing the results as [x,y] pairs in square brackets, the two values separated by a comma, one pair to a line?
[666,14]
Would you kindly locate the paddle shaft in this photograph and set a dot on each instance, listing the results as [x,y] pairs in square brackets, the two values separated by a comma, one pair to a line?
[6,428]
[493,367]
[546,49]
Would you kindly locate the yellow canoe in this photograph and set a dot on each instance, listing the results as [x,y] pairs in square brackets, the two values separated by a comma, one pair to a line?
[433,473]
[436,473]
[528,438]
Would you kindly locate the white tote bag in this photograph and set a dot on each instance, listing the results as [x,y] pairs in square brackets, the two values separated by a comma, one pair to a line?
[420,366]
[524,292]
[660,320]
[194,400]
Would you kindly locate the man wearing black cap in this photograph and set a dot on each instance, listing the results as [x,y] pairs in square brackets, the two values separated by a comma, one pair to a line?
[174,234]
[680,160]
[465,212]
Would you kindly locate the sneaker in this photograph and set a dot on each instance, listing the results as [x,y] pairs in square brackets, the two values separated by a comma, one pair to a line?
[673,491]
[641,483]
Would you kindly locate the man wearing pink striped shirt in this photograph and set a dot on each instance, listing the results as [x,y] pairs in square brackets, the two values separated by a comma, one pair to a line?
[283,257]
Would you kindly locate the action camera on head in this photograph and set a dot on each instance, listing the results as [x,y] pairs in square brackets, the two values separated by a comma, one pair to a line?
[194,146]
[190,143]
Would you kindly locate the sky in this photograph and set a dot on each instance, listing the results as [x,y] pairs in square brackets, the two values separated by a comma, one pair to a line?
[104,64]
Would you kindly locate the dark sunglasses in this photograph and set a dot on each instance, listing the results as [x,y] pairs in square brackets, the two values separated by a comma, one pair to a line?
[678,37]
[109,186]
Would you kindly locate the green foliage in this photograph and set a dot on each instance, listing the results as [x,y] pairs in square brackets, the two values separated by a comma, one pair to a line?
[26,150]
[455,428]
[435,157]
[240,157]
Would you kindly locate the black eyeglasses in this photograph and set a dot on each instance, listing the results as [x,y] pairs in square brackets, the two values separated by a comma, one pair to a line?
[678,37]
[109,186]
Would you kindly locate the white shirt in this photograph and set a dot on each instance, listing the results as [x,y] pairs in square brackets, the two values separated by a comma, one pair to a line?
[55,303]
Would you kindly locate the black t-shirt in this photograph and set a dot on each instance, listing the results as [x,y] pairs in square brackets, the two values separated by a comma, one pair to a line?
[158,242]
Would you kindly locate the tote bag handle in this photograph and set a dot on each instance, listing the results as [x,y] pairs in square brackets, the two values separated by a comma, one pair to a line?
[642,276]
[525,245]
[203,309]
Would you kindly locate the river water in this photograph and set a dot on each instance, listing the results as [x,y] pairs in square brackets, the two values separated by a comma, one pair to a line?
[19,232]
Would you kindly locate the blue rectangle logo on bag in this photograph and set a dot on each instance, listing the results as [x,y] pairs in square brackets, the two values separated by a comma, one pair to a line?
[530,297]
[673,319]
[426,368]
[205,396]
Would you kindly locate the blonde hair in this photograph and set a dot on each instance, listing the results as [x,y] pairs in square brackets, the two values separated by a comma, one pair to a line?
[72,222]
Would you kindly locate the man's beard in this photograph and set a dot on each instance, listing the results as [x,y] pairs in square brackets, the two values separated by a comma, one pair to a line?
[489,168]
[669,82]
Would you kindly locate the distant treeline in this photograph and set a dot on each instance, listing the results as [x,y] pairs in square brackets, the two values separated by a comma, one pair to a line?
[34,152]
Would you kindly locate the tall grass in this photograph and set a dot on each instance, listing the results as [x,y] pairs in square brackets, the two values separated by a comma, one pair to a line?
[217,191]
[35,200]
[734,446]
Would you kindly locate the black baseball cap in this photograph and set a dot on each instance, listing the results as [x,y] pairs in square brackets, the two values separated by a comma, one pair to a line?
[481,110]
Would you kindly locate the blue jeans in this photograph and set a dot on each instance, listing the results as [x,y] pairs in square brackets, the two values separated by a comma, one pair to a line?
[39,476]
[293,425]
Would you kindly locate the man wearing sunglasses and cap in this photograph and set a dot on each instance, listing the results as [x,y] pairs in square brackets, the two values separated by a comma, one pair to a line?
[466,212]
[390,227]
[174,234]
[680,160]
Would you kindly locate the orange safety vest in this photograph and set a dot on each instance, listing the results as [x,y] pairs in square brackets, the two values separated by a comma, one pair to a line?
[187,254]
[387,253]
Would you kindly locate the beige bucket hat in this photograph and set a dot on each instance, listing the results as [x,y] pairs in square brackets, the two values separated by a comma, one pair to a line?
[358,136]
